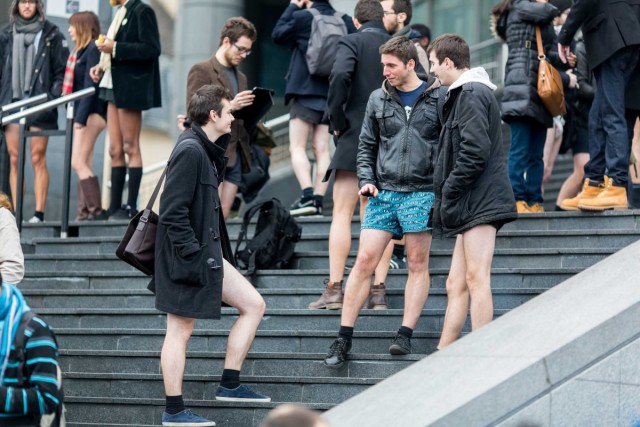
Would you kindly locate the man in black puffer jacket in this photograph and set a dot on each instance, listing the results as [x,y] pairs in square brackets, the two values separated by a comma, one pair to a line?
[473,194]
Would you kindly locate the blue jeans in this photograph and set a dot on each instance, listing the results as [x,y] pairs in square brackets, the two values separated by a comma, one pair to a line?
[526,166]
[608,138]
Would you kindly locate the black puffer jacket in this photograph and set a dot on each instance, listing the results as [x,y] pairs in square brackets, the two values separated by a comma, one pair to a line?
[471,182]
[48,74]
[396,153]
[520,99]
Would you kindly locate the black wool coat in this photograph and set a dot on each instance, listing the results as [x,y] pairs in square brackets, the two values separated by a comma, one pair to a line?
[191,237]
[135,67]
[356,73]
[48,73]
[470,177]
[607,26]
[520,99]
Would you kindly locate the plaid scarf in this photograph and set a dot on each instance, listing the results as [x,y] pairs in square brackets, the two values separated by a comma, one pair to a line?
[67,83]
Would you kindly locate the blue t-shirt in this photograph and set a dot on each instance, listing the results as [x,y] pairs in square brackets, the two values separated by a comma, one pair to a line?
[409,98]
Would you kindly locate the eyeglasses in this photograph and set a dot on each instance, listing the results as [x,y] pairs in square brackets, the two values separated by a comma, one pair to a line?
[387,12]
[242,50]
[27,2]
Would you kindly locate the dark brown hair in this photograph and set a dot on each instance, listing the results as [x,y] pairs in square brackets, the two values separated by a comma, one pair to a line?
[237,27]
[451,46]
[403,6]
[368,10]
[402,48]
[206,99]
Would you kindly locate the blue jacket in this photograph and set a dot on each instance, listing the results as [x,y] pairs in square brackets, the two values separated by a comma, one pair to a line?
[294,29]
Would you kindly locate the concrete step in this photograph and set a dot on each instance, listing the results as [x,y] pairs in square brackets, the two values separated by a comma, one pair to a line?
[503,258]
[556,221]
[214,340]
[120,412]
[149,386]
[260,365]
[283,298]
[318,242]
[274,319]
[516,278]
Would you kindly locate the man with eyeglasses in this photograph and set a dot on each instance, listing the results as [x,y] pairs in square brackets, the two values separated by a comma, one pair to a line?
[397,17]
[236,40]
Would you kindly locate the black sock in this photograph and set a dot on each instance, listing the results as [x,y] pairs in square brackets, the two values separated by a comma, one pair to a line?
[345,332]
[230,379]
[398,250]
[559,209]
[118,175]
[307,193]
[39,215]
[318,199]
[135,176]
[174,405]
[407,332]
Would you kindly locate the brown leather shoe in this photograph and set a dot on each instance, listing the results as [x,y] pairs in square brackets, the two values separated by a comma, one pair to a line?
[331,298]
[82,211]
[590,190]
[377,297]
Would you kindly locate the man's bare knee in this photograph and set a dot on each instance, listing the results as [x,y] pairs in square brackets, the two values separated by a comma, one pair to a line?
[476,279]
[456,286]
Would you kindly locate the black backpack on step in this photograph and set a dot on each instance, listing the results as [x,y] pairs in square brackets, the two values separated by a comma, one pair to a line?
[274,239]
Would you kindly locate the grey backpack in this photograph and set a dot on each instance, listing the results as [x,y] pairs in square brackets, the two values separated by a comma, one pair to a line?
[326,30]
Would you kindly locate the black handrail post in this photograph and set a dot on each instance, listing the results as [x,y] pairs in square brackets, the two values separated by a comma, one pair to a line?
[66,183]
[22,149]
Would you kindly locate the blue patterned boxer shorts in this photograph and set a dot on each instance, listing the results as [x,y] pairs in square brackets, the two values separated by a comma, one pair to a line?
[399,213]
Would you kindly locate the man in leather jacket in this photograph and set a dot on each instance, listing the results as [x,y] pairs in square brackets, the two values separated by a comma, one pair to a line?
[395,166]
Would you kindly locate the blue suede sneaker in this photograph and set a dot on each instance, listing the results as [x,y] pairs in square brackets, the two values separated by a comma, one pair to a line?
[240,394]
[186,418]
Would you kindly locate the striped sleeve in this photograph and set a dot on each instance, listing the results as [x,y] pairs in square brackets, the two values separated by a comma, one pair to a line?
[40,392]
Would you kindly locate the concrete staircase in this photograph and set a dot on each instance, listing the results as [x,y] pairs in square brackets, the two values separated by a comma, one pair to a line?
[110,335]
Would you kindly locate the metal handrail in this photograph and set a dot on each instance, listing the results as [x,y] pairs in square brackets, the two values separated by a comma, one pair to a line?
[49,105]
[24,103]
[22,142]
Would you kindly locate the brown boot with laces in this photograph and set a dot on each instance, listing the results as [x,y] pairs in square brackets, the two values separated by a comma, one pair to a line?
[377,297]
[331,298]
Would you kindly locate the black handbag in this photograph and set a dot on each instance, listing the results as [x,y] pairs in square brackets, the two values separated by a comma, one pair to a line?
[137,247]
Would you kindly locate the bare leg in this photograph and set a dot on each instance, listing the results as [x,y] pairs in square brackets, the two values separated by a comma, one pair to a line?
[130,126]
[41,173]
[372,244]
[12,134]
[573,183]
[479,243]
[551,149]
[298,134]
[174,353]
[320,146]
[345,198]
[116,151]
[84,139]
[238,293]
[457,296]
[418,281]
[227,192]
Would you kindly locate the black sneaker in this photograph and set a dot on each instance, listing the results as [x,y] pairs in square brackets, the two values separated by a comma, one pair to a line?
[305,206]
[397,263]
[401,345]
[337,353]
[125,212]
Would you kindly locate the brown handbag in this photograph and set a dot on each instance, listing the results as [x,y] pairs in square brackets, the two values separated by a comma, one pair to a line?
[550,88]
[137,247]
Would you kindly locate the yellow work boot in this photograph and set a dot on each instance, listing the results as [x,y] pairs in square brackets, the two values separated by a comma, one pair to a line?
[536,208]
[612,197]
[590,190]
[522,207]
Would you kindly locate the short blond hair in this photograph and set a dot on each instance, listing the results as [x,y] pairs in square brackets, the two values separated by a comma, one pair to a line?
[5,202]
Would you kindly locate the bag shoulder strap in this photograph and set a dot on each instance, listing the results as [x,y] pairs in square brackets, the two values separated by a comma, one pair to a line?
[539,42]
[154,195]
[312,11]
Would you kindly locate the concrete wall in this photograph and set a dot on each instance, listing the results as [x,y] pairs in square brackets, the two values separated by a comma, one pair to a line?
[568,357]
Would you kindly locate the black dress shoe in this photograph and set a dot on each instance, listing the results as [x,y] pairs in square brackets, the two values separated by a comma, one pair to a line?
[400,346]
[125,212]
[337,353]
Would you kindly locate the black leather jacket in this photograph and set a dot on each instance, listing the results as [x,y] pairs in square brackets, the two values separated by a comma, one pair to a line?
[396,153]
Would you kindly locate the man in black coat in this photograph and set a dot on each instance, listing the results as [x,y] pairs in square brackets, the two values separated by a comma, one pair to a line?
[129,75]
[356,73]
[193,270]
[611,31]
[473,193]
